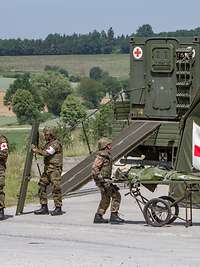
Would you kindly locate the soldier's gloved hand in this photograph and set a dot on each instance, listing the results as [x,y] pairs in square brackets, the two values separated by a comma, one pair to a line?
[34,148]
[115,187]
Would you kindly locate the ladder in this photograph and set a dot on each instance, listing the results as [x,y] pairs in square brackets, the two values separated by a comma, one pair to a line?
[184,62]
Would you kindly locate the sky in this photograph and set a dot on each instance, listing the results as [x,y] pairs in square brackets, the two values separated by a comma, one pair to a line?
[38,18]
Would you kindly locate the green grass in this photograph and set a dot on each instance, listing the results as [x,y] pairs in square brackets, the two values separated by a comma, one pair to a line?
[116,64]
[17,138]
[14,173]
[8,121]
[5,83]
[77,146]
[11,122]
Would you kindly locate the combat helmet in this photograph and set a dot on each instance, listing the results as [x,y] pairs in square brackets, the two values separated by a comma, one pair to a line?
[103,142]
[3,139]
[50,130]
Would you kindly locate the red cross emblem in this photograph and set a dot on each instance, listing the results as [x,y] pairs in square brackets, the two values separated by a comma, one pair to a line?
[196,151]
[137,52]
[3,146]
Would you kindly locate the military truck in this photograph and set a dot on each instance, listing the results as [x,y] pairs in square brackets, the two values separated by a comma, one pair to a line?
[164,79]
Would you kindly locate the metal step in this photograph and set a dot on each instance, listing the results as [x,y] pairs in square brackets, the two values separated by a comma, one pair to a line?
[128,139]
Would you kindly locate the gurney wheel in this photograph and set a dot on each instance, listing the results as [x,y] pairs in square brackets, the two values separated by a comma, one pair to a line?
[174,208]
[157,212]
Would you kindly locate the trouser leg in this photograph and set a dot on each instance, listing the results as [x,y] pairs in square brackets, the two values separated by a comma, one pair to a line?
[104,203]
[56,187]
[2,184]
[115,202]
[42,192]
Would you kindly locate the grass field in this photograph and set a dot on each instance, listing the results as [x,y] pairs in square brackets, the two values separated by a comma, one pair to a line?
[5,82]
[17,138]
[14,173]
[7,121]
[116,64]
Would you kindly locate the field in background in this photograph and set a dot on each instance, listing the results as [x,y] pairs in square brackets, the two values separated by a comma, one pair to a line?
[7,121]
[5,83]
[116,64]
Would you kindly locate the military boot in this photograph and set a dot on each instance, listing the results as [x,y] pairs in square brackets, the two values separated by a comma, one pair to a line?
[115,219]
[43,210]
[57,211]
[98,218]
[2,217]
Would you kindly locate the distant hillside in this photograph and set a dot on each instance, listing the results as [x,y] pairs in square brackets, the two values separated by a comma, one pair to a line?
[116,64]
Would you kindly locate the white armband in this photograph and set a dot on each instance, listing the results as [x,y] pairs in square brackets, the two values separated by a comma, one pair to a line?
[3,146]
[51,150]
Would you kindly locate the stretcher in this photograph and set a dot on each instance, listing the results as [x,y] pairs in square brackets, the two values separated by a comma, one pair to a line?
[161,210]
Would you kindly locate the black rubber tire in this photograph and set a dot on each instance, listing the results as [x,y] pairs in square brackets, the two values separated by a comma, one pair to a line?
[175,213]
[152,211]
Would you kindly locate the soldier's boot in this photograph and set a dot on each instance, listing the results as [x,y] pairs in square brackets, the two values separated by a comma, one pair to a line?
[2,217]
[98,218]
[43,210]
[57,211]
[115,219]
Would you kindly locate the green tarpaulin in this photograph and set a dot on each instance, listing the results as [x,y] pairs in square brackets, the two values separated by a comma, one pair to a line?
[184,155]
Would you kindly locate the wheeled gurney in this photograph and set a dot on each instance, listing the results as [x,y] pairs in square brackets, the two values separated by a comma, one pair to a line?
[161,210]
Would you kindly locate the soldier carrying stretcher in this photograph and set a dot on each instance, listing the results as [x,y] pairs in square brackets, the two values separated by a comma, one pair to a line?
[101,172]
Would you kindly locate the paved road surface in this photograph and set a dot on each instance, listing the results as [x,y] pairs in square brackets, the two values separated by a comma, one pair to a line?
[73,240]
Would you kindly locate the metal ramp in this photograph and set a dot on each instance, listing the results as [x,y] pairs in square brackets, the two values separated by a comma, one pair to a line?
[127,140]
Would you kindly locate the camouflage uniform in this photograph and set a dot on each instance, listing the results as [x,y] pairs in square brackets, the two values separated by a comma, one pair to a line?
[53,163]
[101,172]
[3,159]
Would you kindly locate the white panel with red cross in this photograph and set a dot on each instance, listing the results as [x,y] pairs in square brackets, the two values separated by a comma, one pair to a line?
[137,52]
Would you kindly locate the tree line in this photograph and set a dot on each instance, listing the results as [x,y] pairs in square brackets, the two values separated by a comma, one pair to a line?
[104,42]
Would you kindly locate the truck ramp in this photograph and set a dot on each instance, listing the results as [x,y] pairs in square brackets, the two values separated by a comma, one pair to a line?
[128,139]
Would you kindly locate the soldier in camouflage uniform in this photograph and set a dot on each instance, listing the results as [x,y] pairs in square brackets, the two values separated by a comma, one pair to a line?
[53,163]
[3,159]
[101,172]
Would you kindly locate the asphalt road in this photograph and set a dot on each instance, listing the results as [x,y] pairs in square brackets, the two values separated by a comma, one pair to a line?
[73,240]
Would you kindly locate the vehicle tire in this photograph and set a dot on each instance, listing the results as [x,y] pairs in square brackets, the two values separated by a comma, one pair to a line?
[174,208]
[157,212]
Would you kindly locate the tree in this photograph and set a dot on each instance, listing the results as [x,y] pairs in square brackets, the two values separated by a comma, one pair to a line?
[100,125]
[103,121]
[54,88]
[72,110]
[24,82]
[91,91]
[112,85]
[24,107]
[110,34]
[63,133]
[96,73]
[145,31]
[54,68]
